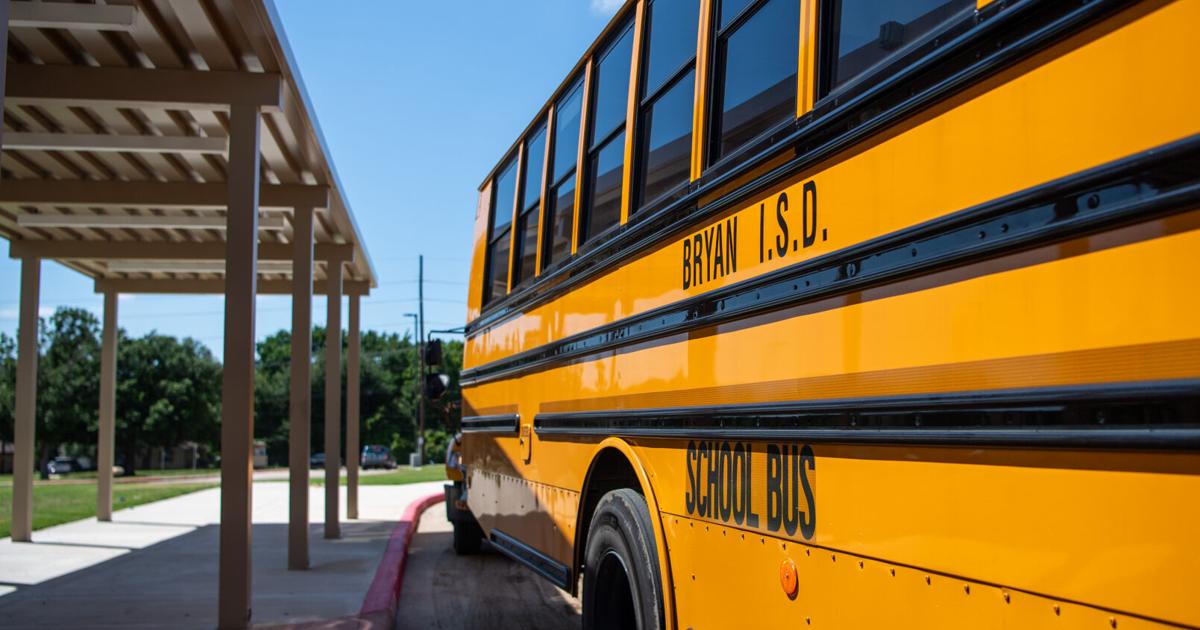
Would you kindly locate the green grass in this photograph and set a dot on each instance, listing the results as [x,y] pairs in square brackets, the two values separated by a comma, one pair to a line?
[55,504]
[169,472]
[6,479]
[402,475]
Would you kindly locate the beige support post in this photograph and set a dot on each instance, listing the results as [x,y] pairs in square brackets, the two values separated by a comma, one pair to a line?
[352,447]
[237,393]
[300,405]
[108,408]
[333,397]
[4,10]
[26,411]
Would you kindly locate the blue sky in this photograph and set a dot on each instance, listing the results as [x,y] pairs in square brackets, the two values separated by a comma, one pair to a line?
[417,101]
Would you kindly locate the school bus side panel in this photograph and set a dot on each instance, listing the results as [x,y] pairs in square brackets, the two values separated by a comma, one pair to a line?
[1096,528]
[1043,119]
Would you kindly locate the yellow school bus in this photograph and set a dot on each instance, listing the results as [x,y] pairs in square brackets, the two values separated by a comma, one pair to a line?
[849,314]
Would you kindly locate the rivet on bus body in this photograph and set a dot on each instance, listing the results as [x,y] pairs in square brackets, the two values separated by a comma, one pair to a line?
[892,571]
[1007,597]
[1057,610]
[860,565]
[928,581]
[787,578]
[1112,622]
[808,620]
[967,589]
[1093,201]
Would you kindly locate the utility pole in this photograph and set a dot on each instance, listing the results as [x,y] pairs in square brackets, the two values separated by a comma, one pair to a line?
[413,458]
[421,359]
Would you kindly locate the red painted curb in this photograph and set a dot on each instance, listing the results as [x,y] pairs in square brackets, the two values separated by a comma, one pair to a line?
[384,594]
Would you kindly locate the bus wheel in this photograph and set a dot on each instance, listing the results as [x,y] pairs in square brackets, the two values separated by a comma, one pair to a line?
[621,584]
[468,538]
[468,535]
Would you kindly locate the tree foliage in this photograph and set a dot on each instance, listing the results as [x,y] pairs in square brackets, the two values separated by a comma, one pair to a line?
[68,378]
[8,385]
[387,394]
[169,391]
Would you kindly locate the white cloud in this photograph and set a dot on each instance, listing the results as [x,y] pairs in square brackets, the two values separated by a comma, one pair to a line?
[606,7]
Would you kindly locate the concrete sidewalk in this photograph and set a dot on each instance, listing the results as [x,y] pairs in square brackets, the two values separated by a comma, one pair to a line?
[155,565]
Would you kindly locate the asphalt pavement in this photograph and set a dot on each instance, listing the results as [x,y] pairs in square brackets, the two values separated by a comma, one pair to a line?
[446,591]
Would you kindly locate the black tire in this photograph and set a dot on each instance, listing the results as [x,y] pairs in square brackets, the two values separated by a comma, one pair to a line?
[468,538]
[622,588]
[468,535]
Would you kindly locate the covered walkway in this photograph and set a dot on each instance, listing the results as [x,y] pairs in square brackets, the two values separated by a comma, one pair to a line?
[171,148]
[152,565]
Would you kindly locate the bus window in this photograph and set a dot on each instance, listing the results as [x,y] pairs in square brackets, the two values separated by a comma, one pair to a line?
[665,133]
[560,204]
[730,9]
[860,34]
[498,245]
[606,153]
[525,256]
[755,73]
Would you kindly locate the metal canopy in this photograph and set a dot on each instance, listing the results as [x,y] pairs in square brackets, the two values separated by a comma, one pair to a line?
[116,132]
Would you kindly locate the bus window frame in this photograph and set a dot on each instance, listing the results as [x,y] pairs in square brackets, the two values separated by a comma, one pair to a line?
[537,209]
[769,138]
[638,206]
[490,299]
[576,84]
[592,146]
[900,59]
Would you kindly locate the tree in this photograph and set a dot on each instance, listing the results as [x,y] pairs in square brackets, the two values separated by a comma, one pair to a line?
[68,383]
[272,387]
[168,392]
[387,394]
[8,387]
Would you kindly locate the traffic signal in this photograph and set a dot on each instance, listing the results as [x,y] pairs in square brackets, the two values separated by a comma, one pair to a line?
[433,352]
[435,385]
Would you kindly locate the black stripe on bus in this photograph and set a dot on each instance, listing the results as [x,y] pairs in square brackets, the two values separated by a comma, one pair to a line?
[1157,415]
[502,423]
[541,564]
[1000,39]
[1133,189]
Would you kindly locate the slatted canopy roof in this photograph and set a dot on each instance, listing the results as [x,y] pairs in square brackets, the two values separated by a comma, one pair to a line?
[168,146]
[115,140]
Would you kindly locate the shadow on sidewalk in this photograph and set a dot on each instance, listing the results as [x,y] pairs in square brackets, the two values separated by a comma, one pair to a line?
[174,583]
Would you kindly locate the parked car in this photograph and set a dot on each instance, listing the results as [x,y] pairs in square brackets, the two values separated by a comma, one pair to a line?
[376,456]
[317,460]
[62,466]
